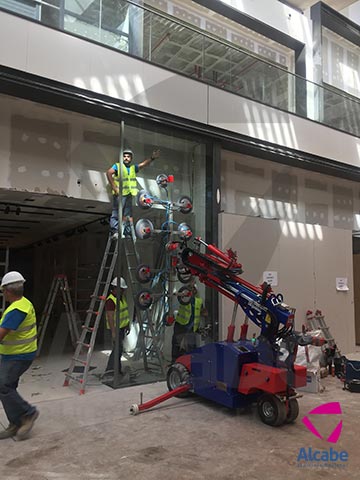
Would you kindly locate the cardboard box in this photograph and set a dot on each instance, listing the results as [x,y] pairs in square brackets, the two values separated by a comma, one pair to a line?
[312,382]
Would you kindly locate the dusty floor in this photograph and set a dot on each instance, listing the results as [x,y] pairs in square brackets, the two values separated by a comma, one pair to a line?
[94,437]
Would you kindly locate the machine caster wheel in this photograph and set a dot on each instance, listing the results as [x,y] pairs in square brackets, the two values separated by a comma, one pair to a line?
[272,410]
[293,411]
[177,375]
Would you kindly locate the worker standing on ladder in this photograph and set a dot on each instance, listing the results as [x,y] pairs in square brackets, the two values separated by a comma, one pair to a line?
[17,351]
[124,322]
[129,189]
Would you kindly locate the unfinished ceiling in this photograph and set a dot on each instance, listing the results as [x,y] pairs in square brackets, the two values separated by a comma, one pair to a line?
[335,4]
[30,219]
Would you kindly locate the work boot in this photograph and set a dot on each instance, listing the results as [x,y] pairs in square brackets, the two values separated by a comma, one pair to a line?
[27,422]
[9,432]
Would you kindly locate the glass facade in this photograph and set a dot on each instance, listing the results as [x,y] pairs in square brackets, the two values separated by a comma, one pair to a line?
[61,208]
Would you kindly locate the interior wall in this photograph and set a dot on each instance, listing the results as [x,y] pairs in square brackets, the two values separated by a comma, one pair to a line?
[356,259]
[298,224]
[306,268]
[48,150]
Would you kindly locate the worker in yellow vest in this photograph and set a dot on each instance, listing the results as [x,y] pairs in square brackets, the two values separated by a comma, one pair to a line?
[17,351]
[129,189]
[187,324]
[124,321]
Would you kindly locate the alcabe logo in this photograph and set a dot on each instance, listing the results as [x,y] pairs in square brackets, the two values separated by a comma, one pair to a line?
[331,408]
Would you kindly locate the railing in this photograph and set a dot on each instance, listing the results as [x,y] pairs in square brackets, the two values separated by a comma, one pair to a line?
[156,37]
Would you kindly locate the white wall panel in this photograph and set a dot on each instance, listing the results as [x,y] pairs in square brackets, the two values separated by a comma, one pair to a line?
[14,34]
[307,269]
[253,119]
[52,54]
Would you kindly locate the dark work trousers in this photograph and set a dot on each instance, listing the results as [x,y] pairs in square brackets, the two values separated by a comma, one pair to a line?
[183,340]
[14,405]
[110,364]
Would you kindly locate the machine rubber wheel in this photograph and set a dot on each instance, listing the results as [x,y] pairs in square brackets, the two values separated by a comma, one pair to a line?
[177,375]
[272,410]
[293,411]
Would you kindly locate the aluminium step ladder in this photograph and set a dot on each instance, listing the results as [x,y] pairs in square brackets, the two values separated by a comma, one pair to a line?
[87,338]
[316,321]
[148,345]
[4,268]
[59,283]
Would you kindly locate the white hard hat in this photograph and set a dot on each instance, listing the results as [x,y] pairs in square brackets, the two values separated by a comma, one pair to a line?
[129,151]
[122,283]
[11,277]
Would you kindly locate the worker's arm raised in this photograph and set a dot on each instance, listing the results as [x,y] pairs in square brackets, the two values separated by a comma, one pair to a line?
[155,154]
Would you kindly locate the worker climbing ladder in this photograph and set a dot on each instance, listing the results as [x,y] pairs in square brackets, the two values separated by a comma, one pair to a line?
[59,283]
[148,346]
[87,338]
[4,268]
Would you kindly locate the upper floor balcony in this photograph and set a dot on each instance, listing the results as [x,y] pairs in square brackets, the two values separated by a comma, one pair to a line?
[155,37]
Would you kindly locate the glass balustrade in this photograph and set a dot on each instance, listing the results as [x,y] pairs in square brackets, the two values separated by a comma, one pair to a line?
[162,40]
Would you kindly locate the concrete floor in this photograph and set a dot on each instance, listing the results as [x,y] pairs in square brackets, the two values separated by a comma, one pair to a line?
[94,437]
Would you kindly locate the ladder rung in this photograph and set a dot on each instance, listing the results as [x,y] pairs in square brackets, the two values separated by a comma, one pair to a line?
[87,345]
[89,329]
[76,379]
[77,359]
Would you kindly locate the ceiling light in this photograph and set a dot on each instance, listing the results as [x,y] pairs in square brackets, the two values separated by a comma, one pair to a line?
[7,209]
[18,211]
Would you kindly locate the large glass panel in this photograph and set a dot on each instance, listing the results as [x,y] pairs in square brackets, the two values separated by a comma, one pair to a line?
[182,159]
[83,18]
[57,218]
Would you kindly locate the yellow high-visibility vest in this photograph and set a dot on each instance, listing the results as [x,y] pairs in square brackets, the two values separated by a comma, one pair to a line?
[124,311]
[184,313]
[24,339]
[129,180]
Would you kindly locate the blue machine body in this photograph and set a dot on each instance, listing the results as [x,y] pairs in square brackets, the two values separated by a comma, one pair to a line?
[216,369]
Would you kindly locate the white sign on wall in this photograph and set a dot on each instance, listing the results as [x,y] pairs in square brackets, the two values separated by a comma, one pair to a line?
[271,278]
[342,284]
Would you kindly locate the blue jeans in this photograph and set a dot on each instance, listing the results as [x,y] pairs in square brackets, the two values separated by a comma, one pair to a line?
[127,211]
[14,405]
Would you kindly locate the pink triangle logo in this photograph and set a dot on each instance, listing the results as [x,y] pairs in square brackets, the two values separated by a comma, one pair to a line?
[331,408]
